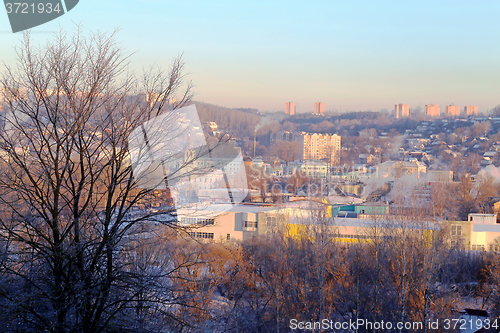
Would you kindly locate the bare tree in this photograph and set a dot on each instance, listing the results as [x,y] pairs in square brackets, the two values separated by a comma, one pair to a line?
[72,210]
[481,129]
[486,188]
[441,205]
[286,150]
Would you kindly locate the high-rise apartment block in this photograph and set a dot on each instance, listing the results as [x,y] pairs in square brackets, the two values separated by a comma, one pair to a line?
[313,146]
[432,110]
[402,110]
[470,110]
[453,110]
[319,108]
[290,108]
[316,146]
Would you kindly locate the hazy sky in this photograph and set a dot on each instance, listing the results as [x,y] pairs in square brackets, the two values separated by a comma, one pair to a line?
[353,55]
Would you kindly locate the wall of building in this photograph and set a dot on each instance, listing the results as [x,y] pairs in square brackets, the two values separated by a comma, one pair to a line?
[317,146]
[306,220]
[402,110]
[319,108]
[453,110]
[290,108]
[432,110]
[483,218]
[471,110]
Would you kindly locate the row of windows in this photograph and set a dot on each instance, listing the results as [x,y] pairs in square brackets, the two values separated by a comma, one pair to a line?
[460,245]
[477,247]
[206,180]
[495,247]
[206,235]
[251,224]
[360,236]
[195,220]
[205,221]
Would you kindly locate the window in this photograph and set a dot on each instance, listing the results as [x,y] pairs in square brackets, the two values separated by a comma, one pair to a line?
[195,220]
[457,244]
[494,247]
[456,230]
[470,218]
[272,221]
[368,237]
[228,236]
[205,235]
[477,247]
[205,221]
[250,224]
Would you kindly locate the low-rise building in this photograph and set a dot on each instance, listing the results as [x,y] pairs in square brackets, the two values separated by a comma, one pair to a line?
[366,158]
[440,175]
[491,155]
[480,232]
[396,169]
[312,169]
[347,222]
[216,223]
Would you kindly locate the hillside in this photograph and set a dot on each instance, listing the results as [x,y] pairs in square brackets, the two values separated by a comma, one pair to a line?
[236,122]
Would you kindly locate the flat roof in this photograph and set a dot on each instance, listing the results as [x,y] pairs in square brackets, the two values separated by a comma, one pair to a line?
[221,208]
[486,227]
[480,214]
[367,223]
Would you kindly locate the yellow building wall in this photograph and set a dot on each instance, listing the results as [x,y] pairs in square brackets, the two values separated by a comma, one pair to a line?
[295,231]
[478,238]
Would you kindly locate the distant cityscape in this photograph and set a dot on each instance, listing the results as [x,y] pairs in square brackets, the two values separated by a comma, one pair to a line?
[401,110]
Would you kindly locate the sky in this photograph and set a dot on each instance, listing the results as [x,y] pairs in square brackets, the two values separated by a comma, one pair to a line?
[350,55]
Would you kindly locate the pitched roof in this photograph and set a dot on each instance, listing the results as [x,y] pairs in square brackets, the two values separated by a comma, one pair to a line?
[476,312]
